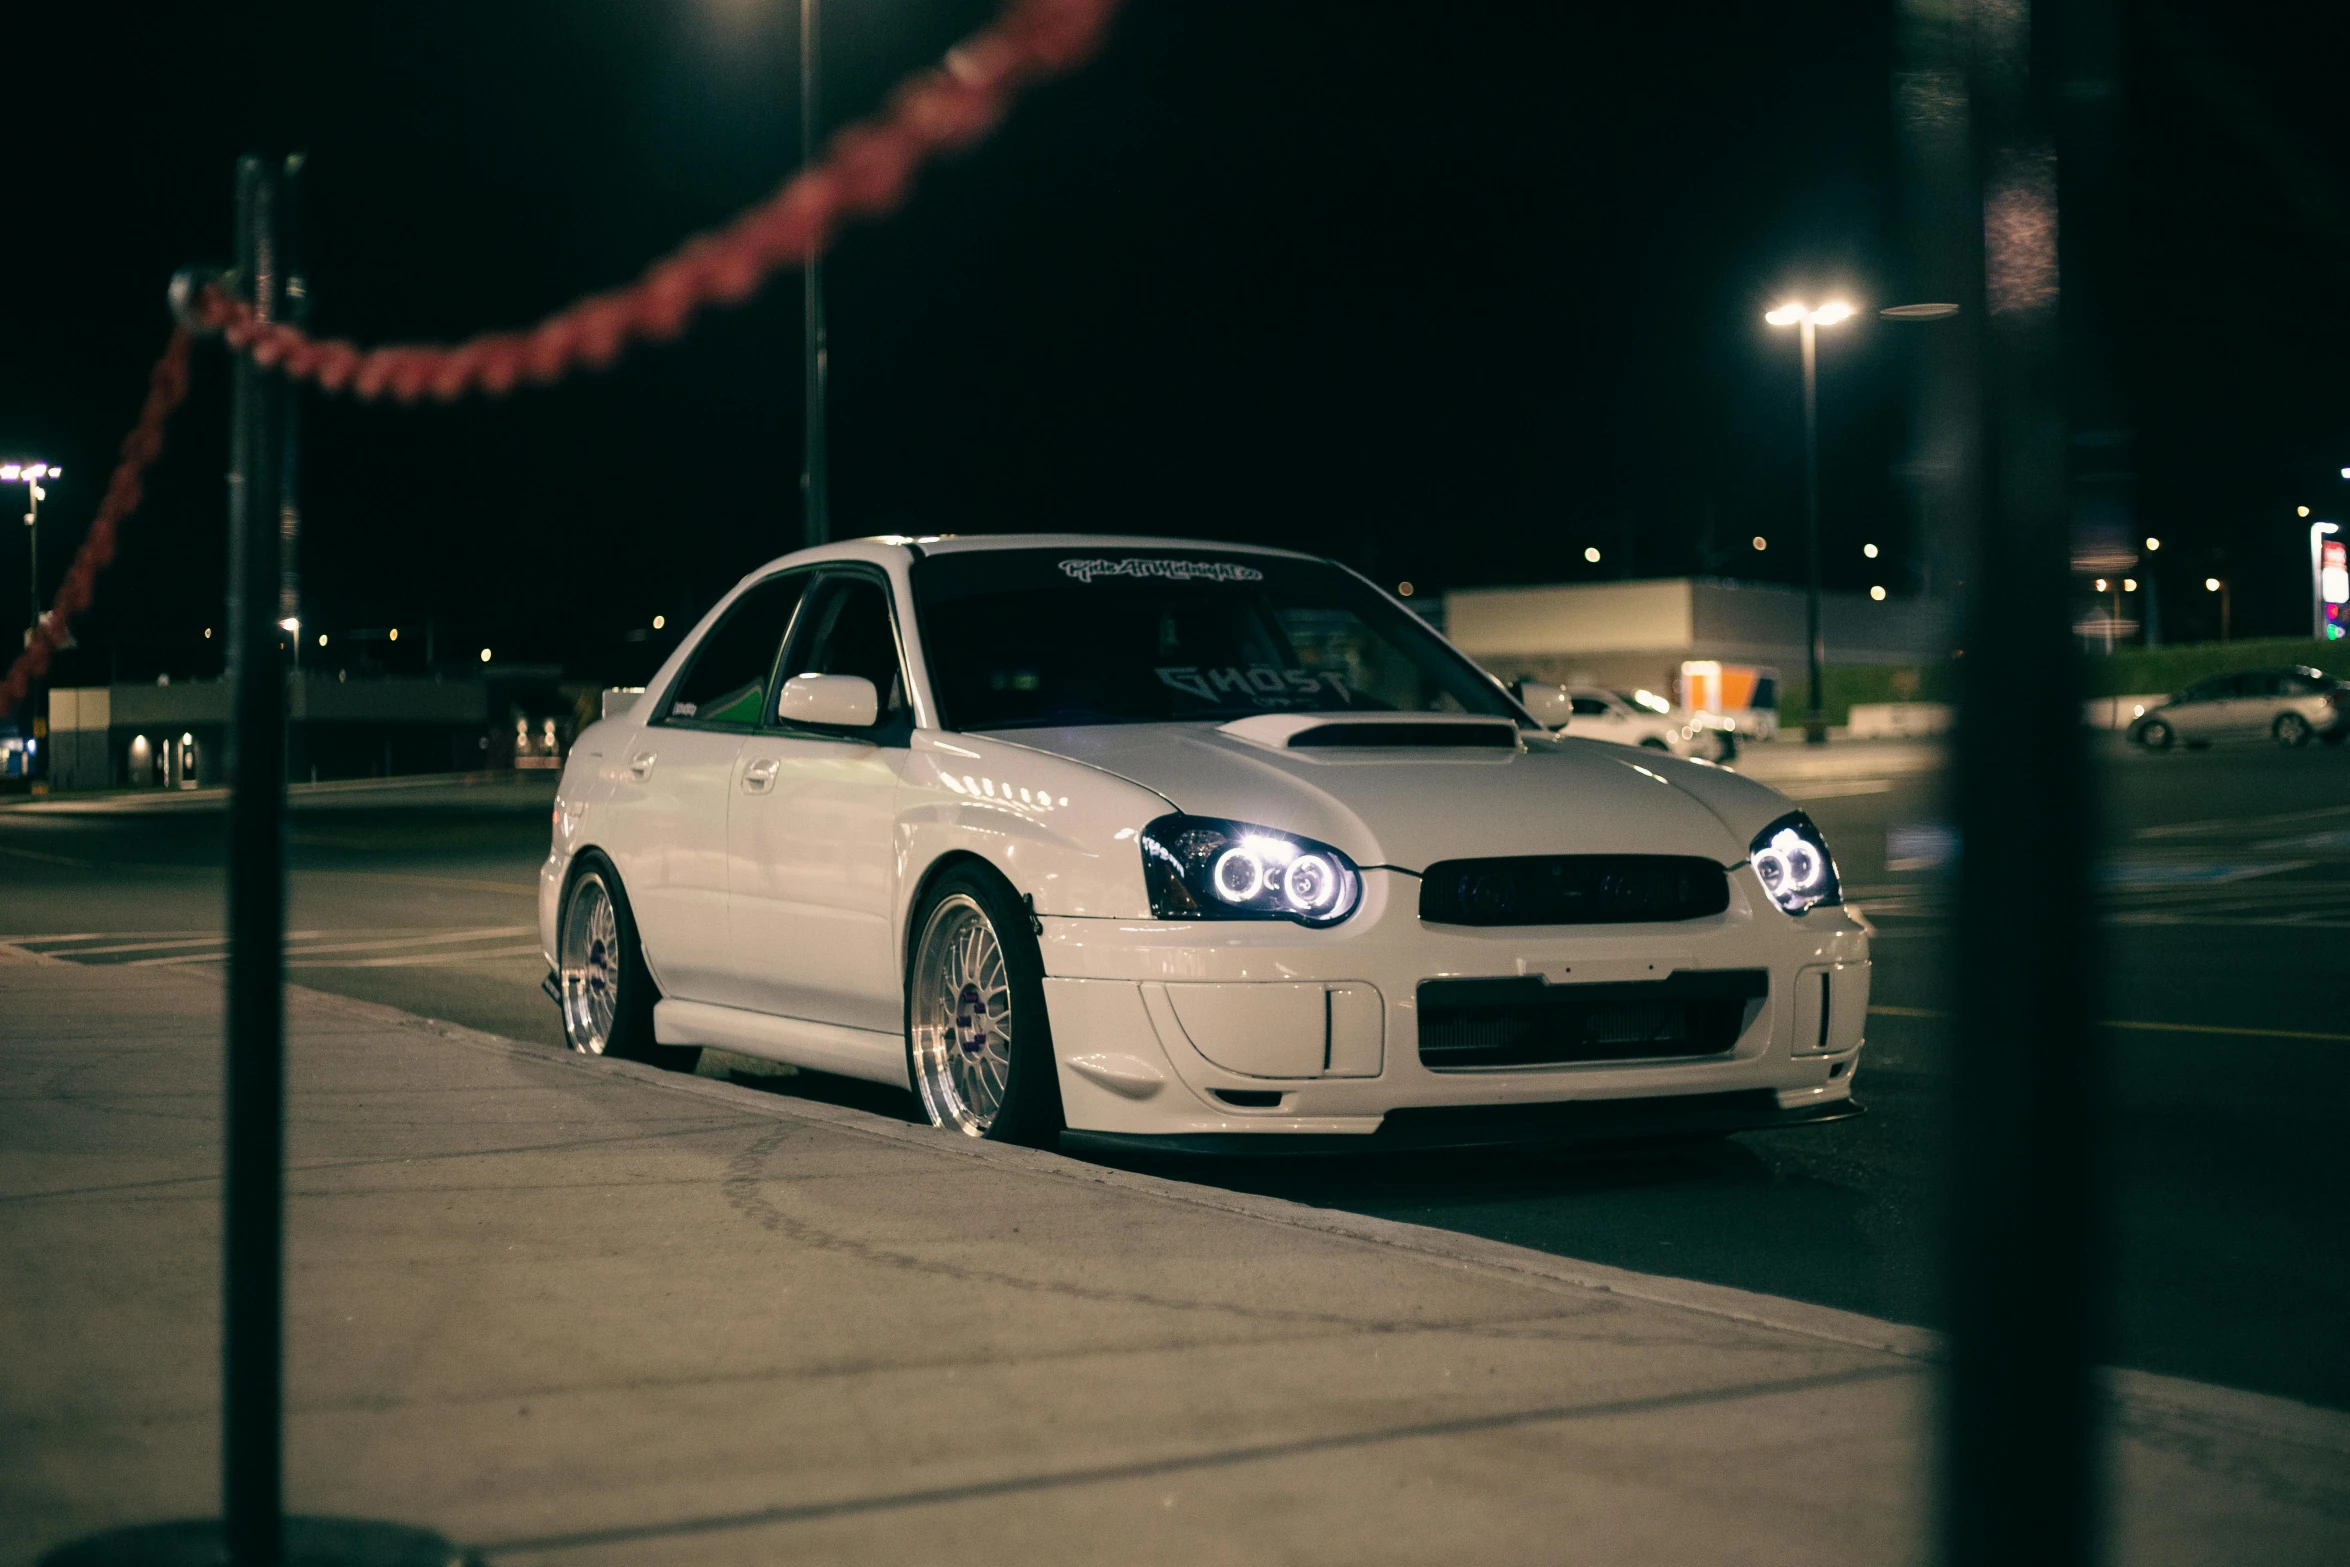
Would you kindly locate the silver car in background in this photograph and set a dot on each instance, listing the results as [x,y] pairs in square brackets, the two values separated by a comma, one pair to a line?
[2290,706]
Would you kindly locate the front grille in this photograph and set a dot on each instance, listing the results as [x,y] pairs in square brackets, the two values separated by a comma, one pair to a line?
[1573,889]
[1469,1025]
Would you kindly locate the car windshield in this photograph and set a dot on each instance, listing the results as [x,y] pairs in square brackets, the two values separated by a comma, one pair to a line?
[1030,638]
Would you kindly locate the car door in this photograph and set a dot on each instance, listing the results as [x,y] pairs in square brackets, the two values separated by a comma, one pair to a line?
[672,853]
[2200,712]
[1595,718]
[812,828]
[2261,697]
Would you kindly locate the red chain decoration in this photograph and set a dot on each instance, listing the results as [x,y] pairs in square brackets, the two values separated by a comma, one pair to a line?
[865,172]
[165,387]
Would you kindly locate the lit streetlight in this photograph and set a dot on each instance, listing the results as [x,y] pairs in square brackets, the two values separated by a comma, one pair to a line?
[1591,554]
[30,475]
[2216,585]
[1809,320]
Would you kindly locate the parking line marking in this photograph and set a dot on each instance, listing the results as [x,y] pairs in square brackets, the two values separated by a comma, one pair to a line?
[2142,1026]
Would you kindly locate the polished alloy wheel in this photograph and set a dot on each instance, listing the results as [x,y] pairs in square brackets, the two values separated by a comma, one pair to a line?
[589,965]
[961,1017]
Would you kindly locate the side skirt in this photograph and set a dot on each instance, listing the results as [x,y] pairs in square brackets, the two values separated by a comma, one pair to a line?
[821,1047]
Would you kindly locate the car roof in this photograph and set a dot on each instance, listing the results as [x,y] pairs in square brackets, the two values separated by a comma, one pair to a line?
[964,544]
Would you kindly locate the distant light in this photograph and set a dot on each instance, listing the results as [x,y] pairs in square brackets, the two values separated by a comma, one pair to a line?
[1761,543]
[1831,313]
[1786,315]
[1925,312]
[485,655]
[2153,544]
[395,633]
[2346,473]
[1403,590]
[2138,710]
[2211,584]
[1870,550]
[2101,584]
[322,639]
[1878,594]
[662,620]
[2129,584]
[1592,554]
[289,625]
[207,633]
[2300,511]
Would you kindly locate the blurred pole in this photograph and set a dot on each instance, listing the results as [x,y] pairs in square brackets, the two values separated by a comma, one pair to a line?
[2019,1439]
[1815,721]
[253,1199]
[815,483]
[293,243]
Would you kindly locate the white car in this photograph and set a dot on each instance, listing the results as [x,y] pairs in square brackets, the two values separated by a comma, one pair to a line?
[1643,718]
[1181,845]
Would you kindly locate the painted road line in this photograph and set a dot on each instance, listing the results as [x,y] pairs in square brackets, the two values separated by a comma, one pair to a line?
[377,941]
[421,960]
[2146,1027]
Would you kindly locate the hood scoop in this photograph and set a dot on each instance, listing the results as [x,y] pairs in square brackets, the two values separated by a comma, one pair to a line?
[1387,731]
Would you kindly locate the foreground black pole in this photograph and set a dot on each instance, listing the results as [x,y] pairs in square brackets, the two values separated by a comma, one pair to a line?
[2020,1433]
[253,1198]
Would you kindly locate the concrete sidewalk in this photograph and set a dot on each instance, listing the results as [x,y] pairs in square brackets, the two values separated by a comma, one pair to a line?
[568,1311]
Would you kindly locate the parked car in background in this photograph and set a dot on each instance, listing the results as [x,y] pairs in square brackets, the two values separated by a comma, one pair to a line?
[1643,718]
[2290,706]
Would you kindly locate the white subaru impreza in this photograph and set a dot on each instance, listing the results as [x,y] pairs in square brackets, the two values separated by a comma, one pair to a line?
[1183,845]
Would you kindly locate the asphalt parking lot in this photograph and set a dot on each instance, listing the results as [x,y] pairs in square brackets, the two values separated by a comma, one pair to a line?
[2226,892]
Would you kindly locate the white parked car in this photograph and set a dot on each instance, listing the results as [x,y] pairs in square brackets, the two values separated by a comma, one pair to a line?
[1643,718]
[1185,845]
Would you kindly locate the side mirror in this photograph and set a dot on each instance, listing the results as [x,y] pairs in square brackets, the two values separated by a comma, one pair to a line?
[1550,705]
[829,701]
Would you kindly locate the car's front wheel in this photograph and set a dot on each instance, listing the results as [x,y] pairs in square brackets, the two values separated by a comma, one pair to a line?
[2155,735]
[2291,729]
[605,991]
[978,1047]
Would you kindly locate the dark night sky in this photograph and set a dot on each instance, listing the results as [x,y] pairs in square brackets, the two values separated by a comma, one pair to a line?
[1448,292]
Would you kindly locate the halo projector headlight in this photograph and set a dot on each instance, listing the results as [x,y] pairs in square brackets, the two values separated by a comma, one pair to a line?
[1204,868]
[1791,860]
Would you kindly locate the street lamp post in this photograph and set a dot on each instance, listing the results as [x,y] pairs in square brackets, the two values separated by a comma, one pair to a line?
[1815,721]
[815,495]
[30,475]
[2219,586]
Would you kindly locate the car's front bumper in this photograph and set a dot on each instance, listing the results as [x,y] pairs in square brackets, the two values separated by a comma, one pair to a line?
[1126,1000]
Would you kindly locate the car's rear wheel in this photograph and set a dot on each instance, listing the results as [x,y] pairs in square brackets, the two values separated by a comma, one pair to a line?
[605,991]
[2155,735]
[2291,729]
[978,1047]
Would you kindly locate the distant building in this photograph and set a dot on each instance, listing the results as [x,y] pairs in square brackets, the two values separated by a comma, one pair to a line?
[1639,634]
[175,735]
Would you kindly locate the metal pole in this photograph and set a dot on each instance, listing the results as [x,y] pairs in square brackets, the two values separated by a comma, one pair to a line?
[815,492]
[1815,722]
[2020,1433]
[253,1259]
[32,528]
[294,306]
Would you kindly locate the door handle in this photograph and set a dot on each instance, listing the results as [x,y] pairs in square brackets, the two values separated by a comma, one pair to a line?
[642,763]
[759,777]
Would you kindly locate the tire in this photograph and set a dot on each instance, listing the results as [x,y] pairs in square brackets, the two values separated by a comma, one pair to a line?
[2291,729]
[1652,743]
[606,993]
[2155,735]
[979,1050]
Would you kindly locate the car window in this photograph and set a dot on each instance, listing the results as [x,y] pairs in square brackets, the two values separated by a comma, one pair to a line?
[2211,688]
[725,682]
[1033,638]
[2266,683]
[2301,682]
[847,631]
[1590,707]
